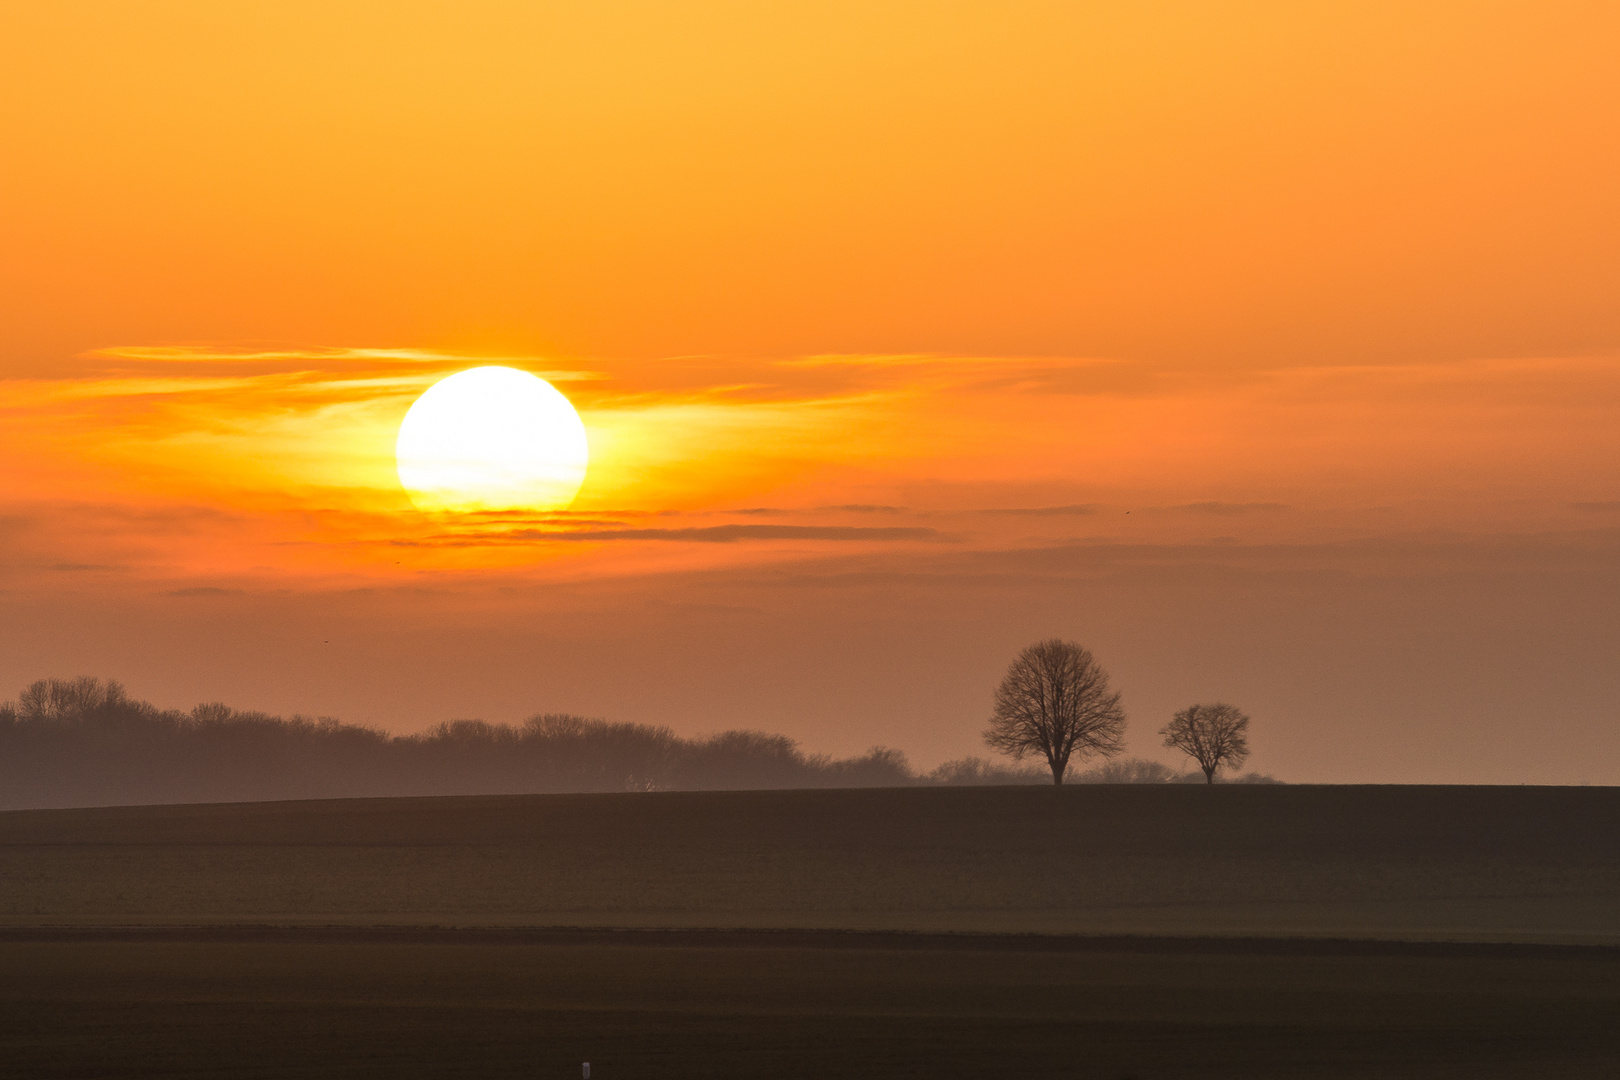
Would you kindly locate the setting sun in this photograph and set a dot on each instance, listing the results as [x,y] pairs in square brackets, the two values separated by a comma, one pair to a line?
[492,438]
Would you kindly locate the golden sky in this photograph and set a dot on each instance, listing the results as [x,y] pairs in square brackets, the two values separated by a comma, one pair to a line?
[1270,349]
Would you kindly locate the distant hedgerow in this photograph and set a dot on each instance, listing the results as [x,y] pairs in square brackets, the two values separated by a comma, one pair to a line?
[85,742]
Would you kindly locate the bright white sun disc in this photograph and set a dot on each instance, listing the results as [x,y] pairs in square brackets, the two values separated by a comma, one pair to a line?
[491,438]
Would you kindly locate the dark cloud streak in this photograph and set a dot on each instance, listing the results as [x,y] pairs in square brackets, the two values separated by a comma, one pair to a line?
[713,534]
[1226,509]
[1072,510]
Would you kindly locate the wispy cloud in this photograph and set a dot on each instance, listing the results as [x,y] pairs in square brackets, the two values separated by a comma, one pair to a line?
[372,360]
[1070,510]
[712,534]
[1226,509]
[769,459]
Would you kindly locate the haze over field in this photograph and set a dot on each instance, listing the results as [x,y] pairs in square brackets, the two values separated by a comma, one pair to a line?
[1271,351]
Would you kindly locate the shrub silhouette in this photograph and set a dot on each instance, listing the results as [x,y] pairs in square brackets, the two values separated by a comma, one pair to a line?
[978,772]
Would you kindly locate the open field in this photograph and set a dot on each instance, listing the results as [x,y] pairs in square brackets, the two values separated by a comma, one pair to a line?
[1502,864]
[474,1004]
[1257,932]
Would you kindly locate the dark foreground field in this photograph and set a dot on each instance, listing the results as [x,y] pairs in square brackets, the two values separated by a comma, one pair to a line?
[508,1004]
[1088,932]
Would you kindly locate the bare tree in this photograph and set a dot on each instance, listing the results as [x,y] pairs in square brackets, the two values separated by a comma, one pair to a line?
[1212,735]
[1055,701]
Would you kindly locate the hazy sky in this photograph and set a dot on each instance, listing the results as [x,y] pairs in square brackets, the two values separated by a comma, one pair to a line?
[1271,350]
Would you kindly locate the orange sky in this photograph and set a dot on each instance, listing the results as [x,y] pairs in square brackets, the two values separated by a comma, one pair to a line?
[1272,350]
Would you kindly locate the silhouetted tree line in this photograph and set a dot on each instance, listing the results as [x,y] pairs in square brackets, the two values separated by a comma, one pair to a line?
[85,742]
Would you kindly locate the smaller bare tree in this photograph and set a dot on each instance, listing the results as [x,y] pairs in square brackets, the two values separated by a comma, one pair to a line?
[1212,735]
[1055,701]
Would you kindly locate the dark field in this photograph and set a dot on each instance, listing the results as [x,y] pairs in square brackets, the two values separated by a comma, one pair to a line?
[1508,864]
[1265,932]
[461,1004]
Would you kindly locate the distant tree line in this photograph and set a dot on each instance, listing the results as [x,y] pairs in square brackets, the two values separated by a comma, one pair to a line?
[85,742]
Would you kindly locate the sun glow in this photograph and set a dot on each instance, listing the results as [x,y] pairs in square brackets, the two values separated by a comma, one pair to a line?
[492,438]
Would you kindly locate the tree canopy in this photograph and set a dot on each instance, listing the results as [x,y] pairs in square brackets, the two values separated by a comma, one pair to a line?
[1212,735]
[1055,701]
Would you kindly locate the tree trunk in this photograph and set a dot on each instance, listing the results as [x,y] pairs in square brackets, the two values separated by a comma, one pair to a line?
[1209,775]
[1057,774]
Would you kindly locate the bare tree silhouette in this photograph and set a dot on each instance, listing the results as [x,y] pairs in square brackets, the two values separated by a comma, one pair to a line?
[1055,701]
[1212,735]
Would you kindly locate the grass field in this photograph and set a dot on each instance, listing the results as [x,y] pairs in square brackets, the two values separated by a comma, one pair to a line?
[1259,932]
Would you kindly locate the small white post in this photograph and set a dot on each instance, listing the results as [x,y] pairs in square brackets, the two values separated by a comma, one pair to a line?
[585,1070]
